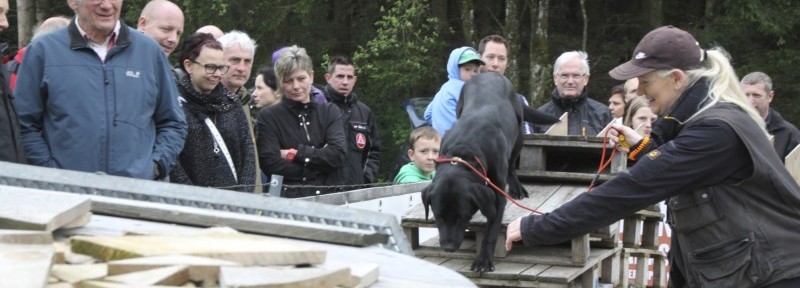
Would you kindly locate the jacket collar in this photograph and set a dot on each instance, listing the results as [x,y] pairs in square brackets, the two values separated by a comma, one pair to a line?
[77,39]
[568,104]
[336,97]
[670,124]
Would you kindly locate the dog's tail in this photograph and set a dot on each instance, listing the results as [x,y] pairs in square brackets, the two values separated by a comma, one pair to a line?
[537,117]
[425,201]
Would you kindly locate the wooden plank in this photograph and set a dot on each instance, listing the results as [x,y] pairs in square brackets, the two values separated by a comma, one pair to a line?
[533,272]
[263,277]
[363,274]
[456,264]
[79,222]
[106,284]
[242,249]
[549,255]
[77,273]
[560,128]
[792,162]
[532,158]
[506,270]
[642,274]
[169,275]
[563,195]
[659,272]
[199,268]
[25,258]
[25,237]
[355,196]
[53,209]
[242,222]
[561,177]
[560,274]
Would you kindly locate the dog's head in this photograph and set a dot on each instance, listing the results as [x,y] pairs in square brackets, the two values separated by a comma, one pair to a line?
[453,196]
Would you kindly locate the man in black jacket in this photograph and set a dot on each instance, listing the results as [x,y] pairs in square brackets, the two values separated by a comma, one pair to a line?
[362,156]
[587,117]
[758,88]
[10,145]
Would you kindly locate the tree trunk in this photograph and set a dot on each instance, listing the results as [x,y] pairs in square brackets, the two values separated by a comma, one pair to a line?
[585,24]
[653,13]
[540,66]
[26,20]
[468,19]
[512,34]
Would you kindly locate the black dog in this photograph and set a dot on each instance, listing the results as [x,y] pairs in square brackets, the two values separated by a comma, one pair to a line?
[487,130]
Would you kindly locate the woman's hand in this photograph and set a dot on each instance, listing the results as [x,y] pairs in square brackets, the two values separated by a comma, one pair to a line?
[628,139]
[513,233]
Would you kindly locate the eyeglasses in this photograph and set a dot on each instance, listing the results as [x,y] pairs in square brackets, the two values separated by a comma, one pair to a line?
[211,68]
[572,76]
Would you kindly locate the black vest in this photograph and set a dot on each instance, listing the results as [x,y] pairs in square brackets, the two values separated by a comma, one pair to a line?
[742,234]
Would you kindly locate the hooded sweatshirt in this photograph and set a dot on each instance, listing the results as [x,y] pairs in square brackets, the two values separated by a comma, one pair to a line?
[441,113]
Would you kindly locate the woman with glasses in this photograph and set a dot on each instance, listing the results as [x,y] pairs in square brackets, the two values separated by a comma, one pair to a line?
[300,139]
[218,151]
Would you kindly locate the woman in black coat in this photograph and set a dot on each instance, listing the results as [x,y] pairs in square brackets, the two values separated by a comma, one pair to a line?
[299,139]
[218,151]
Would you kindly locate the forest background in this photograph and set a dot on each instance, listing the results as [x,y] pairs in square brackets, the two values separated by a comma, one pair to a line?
[401,46]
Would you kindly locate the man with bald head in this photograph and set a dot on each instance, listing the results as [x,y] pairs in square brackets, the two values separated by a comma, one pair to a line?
[211,29]
[163,21]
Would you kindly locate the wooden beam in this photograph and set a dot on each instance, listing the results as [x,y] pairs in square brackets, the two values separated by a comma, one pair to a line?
[25,258]
[242,249]
[53,209]
[242,222]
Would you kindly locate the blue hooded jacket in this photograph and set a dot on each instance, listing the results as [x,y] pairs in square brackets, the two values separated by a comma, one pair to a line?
[441,113]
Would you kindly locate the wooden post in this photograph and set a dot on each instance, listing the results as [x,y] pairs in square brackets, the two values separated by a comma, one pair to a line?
[580,249]
[412,233]
[610,270]
[532,158]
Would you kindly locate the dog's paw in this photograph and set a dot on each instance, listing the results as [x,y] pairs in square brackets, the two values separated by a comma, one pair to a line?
[516,190]
[483,265]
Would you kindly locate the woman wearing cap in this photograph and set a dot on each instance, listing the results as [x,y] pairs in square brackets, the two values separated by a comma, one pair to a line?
[733,208]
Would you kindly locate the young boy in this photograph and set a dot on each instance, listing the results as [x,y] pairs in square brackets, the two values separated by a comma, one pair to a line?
[463,63]
[423,149]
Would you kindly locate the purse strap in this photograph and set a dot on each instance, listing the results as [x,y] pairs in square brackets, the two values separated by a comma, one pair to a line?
[221,145]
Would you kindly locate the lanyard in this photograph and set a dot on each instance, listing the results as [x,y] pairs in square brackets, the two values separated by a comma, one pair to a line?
[220,145]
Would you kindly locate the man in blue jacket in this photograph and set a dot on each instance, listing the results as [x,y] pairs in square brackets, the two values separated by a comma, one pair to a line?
[99,96]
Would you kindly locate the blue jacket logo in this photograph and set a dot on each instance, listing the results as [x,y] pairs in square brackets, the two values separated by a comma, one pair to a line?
[130,73]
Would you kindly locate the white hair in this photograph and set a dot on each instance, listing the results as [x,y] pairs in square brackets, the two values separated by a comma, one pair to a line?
[240,38]
[572,55]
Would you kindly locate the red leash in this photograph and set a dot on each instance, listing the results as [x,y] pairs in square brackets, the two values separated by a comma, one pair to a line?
[603,165]
[485,178]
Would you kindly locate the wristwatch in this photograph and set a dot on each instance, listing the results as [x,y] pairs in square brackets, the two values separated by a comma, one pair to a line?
[290,155]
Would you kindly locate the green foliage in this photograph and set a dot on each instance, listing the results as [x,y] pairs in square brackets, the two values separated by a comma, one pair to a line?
[397,64]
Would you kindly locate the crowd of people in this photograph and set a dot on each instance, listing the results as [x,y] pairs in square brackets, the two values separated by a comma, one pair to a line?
[696,132]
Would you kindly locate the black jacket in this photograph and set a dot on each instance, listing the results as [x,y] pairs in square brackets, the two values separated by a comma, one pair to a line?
[787,137]
[315,130]
[732,207]
[583,113]
[362,155]
[10,141]
[202,163]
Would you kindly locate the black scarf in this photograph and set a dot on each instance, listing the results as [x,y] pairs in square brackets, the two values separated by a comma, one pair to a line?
[568,104]
[217,101]
[670,124]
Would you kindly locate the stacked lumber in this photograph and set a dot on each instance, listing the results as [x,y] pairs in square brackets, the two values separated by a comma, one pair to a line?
[216,257]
